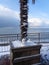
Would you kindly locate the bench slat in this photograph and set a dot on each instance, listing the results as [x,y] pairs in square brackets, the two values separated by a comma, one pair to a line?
[20,59]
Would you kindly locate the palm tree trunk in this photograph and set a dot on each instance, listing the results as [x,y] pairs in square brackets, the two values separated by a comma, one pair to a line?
[24,18]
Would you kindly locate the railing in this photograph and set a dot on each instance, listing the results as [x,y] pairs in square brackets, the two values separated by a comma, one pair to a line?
[12,37]
[35,37]
[42,37]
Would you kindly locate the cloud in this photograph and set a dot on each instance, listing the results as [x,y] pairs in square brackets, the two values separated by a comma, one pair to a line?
[38,22]
[8,17]
[4,11]
[33,22]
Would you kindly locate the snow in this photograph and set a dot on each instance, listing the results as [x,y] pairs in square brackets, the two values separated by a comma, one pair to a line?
[4,53]
[45,54]
[18,43]
[4,50]
[24,24]
[28,42]
[24,32]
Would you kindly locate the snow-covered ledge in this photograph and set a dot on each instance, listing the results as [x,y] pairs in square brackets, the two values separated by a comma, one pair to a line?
[18,44]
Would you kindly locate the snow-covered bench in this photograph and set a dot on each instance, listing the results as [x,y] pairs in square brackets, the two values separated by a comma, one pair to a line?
[24,53]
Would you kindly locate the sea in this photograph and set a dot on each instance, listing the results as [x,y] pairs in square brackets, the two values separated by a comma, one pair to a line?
[16,30]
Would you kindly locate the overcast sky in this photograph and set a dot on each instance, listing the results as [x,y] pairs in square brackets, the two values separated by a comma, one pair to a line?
[38,13]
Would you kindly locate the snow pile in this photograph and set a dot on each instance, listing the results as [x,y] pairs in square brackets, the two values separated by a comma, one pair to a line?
[28,42]
[45,54]
[18,43]
[4,53]
[4,50]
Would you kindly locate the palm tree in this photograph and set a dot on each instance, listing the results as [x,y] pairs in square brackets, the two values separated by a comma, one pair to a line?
[24,18]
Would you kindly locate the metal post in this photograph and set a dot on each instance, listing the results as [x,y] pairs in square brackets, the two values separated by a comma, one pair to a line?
[39,38]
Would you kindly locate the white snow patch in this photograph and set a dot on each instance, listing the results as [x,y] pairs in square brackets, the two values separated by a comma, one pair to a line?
[4,53]
[24,43]
[45,53]
[17,43]
[4,48]
[29,43]
[24,24]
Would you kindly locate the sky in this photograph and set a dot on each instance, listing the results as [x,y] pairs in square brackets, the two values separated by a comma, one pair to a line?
[38,13]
